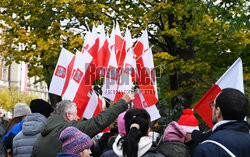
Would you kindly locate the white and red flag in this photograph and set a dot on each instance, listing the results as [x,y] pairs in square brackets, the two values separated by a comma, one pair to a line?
[147,77]
[142,45]
[127,75]
[62,72]
[81,81]
[103,54]
[110,84]
[118,43]
[232,78]
[94,106]
[139,102]
[91,43]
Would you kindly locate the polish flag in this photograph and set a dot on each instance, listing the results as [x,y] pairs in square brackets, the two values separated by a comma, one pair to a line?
[142,45]
[147,77]
[110,84]
[103,54]
[118,43]
[94,106]
[232,78]
[62,72]
[81,83]
[126,46]
[139,102]
[127,75]
[91,43]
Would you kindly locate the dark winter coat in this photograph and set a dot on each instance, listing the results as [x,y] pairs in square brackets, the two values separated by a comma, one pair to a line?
[24,141]
[104,143]
[8,138]
[3,151]
[49,145]
[145,148]
[233,135]
[152,152]
[173,149]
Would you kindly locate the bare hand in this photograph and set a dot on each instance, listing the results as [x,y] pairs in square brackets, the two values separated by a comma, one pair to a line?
[129,97]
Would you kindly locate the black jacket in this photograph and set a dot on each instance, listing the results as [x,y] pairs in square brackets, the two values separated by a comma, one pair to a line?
[233,135]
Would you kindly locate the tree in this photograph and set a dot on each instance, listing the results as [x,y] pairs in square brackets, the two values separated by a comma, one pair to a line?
[8,98]
[195,40]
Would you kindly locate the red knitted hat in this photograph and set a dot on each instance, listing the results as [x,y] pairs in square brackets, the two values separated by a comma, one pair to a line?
[188,121]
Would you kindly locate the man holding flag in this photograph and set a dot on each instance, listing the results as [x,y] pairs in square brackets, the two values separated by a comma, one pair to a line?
[48,144]
[230,133]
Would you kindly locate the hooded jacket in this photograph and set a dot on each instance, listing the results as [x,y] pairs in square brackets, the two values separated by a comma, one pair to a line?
[145,149]
[173,149]
[24,141]
[49,145]
[233,135]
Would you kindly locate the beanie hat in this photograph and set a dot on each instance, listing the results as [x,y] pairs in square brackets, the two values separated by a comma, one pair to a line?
[174,132]
[74,141]
[41,106]
[188,121]
[121,124]
[21,109]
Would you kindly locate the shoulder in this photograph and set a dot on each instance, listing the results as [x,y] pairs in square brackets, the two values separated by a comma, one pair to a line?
[153,152]
[109,153]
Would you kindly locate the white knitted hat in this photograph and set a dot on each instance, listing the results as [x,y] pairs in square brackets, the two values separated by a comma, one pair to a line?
[21,109]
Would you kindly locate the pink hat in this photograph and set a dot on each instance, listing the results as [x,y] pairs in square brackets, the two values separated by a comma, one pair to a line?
[174,132]
[121,124]
[188,121]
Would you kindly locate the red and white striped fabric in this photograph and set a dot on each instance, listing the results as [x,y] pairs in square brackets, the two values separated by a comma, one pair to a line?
[147,78]
[127,75]
[142,45]
[103,54]
[232,78]
[110,84]
[118,44]
[94,106]
[139,102]
[91,43]
[80,83]
[62,72]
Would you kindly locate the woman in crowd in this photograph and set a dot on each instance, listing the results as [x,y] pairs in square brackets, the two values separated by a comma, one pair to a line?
[135,143]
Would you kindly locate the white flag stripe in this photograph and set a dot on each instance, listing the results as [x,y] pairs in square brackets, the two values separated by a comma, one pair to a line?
[81,64]
[149,64]
[233,77]
[153,112]
[91,107]
[128,39]
[110,85]
[57,82]
[126,83]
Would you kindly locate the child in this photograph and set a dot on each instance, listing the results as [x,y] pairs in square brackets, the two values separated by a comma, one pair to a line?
[75,143]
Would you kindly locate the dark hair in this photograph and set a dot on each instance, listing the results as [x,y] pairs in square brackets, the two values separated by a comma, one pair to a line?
[130,140]
[233,104]
[11,123]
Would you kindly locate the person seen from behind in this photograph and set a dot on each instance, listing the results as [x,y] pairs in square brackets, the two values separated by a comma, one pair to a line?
[230,133]
[24,141]
[135,143]
[65,115]
[173,141]
[15,125]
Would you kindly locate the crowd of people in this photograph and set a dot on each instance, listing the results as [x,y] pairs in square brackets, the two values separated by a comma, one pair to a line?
[43,131]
